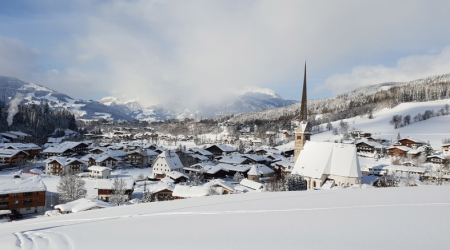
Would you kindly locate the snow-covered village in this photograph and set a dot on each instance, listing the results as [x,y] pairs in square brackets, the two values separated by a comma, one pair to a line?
[224,125]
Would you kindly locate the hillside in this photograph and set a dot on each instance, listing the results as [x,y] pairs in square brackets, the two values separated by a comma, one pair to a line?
[336,219]
[433,129]
[362,101]
[37,94]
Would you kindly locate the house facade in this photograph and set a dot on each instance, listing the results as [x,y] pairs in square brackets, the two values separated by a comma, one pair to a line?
[24,195]
[64,166]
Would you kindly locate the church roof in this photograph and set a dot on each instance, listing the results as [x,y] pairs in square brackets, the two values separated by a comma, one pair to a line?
[319,158]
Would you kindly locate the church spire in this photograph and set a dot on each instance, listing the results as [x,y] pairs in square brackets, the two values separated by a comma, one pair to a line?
[303,105]
[303,134]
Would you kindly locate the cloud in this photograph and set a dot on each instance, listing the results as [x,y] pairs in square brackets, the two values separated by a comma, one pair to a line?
[16,59]
[202,51]
[406,69]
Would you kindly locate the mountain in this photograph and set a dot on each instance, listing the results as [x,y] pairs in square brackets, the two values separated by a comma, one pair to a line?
[250,100]
[37,94]
[121,104]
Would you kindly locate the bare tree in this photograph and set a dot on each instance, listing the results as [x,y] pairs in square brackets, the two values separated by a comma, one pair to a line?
[197,178]
[147,195]
[70,188]
[238,177]
[118,194]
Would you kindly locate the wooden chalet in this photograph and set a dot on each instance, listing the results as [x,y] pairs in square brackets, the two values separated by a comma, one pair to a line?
[411,143]
[33,150]
[369,147]
[437,159]
[220,149]
[209,171]
[24,195]
[12,156]
[64,166]
[398,151]
[105,188]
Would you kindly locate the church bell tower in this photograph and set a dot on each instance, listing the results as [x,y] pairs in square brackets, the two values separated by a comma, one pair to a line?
[303,132]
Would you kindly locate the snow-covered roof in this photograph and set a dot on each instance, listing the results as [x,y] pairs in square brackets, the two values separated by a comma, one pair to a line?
[63,147]
[188,191]
[83,204]
[176,175]
[104,157]
[7,153]
[167,179]
[64,161]
[10,185]
[319,158]
[399,168]
[160,186]
[259,169]
[201,151]
[370,143]
[200,157]
[21,146]
[172,159]
[414,140]
[98,168]
[251,184]
[108,183]
[207,168]
[219,182]
[234,158]
[234,167]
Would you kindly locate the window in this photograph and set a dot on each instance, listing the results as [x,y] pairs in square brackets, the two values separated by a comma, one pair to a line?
[3,196]
[29,201]
[16,195]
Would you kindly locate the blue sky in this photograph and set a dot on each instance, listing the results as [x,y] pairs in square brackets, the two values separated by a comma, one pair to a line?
[202,51]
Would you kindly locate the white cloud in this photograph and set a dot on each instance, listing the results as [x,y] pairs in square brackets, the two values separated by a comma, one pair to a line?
[199,51]
[407,69]
[16,59]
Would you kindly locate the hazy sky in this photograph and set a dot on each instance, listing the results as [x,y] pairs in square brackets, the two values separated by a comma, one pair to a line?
[192,51]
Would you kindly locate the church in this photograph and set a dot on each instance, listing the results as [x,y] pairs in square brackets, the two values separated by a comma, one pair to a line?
[323,164]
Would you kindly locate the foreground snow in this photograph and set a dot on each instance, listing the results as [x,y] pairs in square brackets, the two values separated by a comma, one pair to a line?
[390,218]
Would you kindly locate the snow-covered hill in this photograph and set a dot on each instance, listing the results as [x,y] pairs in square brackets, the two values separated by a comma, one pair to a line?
[369,97]
[433,130]
[37,94]
[384,218]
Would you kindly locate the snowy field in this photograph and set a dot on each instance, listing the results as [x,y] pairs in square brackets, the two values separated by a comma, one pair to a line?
[388,218]
[433,129]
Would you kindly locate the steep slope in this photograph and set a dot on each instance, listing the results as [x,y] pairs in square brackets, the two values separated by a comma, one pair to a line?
[37,94]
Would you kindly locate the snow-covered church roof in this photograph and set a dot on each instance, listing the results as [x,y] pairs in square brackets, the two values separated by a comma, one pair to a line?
[319,158]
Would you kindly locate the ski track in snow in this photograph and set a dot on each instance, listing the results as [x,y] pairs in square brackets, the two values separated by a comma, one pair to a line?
[42,240]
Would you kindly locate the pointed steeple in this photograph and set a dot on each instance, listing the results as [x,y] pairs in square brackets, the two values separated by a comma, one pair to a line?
[303,133]
[303,105]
